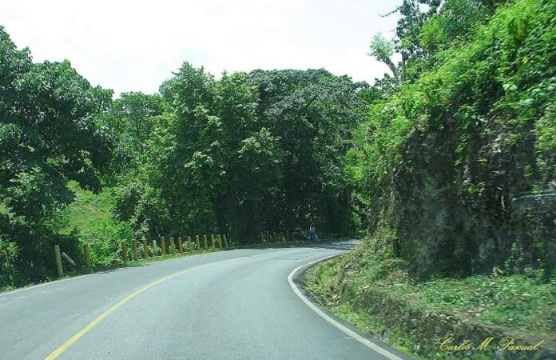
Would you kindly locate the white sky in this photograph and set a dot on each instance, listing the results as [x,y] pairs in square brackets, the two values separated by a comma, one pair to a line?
[135,45]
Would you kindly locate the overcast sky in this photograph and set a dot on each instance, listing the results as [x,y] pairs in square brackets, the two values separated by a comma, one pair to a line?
[136,45]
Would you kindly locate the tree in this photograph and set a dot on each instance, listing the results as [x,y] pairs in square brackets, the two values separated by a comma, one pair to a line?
[131,118]
[50,133]
[250,152]
[382,50]
[460,160]
[426,27]
[313,113]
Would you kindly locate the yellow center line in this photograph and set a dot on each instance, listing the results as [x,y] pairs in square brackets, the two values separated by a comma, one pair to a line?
[59,351]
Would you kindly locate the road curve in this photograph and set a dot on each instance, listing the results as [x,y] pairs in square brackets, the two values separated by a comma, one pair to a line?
[236,304]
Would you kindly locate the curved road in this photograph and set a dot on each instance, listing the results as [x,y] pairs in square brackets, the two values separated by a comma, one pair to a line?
[239,304]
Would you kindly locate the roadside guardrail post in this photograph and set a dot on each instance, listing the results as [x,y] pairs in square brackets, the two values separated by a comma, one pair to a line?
[180,245]
[87,252]
[189,244]
[163,245]
[124,250]
[135,252]
[68,259]
[58,260]
[172,246]
[145,248]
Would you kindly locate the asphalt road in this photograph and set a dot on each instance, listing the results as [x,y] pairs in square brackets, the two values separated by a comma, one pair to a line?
[238,304]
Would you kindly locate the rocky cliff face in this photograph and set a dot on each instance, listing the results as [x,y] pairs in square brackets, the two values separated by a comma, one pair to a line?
[467,151]
[462,214]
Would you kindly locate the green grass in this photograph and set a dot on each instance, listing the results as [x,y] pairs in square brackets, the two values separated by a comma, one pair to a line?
[523,306]
[369,324]
[88,209]
[90,218]
[516,302]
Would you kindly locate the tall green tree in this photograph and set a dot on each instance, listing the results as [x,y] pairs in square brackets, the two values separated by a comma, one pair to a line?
[251,152]
[424,28]
[382,50]
[50,133]
[313,113]
[131,120]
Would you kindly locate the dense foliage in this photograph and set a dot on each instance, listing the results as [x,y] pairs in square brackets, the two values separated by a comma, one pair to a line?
[459,159]
[250,152]
[448,161]
[50,133]
[247,153]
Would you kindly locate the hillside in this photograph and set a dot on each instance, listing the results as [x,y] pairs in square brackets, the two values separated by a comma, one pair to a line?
[458,163]
[88,211]
[421,317]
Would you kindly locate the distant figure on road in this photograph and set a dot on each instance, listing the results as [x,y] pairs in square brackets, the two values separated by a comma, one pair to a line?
[312,236]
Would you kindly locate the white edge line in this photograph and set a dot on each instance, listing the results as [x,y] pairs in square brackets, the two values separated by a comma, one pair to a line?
[333,322]
[56,281]
[31,287]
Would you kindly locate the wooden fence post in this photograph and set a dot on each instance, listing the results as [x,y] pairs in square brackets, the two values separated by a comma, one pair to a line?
[87,252]
[58,260]
[205,242]
[68,259]
[124,250]
[198,243]
[134,249]
[189,244]
[180,245]
[172,246]
[225,241]
[163,245]
[145,248]
[155,249]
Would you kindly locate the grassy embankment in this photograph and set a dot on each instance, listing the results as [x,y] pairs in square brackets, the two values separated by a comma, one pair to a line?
[91,216]
[377,295]
[89,211]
